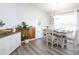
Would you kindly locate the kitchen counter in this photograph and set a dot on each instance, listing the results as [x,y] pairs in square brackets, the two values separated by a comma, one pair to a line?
[7,34]
[9,42]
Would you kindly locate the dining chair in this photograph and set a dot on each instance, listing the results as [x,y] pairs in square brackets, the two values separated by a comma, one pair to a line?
[62,40]
[45,34]
[52,39]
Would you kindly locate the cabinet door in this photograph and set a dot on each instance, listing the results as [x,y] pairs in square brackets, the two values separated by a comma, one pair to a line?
[31,33]
[4,46]
[15,41]
[9,43]
[18,39]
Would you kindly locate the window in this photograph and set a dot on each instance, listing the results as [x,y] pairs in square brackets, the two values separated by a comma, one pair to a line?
[67,22]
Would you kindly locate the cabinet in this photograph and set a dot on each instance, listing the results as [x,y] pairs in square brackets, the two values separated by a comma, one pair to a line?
[9,43]
[31,33]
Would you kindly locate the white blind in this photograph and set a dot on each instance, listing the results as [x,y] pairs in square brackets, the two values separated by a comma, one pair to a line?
[65,21]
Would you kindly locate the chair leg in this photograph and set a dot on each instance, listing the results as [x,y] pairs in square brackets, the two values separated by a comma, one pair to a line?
[47,44]
[57,42]
[62,44]
[52,44]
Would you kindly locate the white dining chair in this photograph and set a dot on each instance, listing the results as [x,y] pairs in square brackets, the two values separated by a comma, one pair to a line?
[45,35]
[62,40]
[52,39]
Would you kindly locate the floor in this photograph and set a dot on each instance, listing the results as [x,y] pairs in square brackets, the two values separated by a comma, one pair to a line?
[38,47]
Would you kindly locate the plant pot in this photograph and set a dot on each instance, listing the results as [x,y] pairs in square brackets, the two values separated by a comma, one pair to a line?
[26,41]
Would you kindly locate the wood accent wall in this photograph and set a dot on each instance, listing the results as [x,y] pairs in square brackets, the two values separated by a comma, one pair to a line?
[31,33]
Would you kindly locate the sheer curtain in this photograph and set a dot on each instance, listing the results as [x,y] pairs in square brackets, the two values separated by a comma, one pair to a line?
[66,22]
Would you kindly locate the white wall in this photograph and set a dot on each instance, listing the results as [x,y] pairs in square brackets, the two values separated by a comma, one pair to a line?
[14,14]
[30,14]
[8,14]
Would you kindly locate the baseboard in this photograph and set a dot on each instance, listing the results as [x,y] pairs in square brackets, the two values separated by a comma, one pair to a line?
[15,49]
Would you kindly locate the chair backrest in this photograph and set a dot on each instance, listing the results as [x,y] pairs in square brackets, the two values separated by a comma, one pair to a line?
[50,32]
[44,32]
[50,35]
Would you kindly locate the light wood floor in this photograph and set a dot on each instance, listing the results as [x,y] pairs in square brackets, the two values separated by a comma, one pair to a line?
[38,47]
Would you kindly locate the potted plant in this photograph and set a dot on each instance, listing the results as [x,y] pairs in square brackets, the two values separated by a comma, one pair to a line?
[26,39]
[1,24]
[24,32]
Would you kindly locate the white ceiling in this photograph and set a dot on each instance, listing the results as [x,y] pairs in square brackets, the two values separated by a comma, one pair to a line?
[57,7]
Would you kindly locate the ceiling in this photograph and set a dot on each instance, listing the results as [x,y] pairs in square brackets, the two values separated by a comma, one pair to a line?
[57,7]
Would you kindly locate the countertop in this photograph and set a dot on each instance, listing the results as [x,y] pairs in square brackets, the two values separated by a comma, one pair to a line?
[7,34]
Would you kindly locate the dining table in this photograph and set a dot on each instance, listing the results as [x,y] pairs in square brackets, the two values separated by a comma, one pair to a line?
[62,37]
